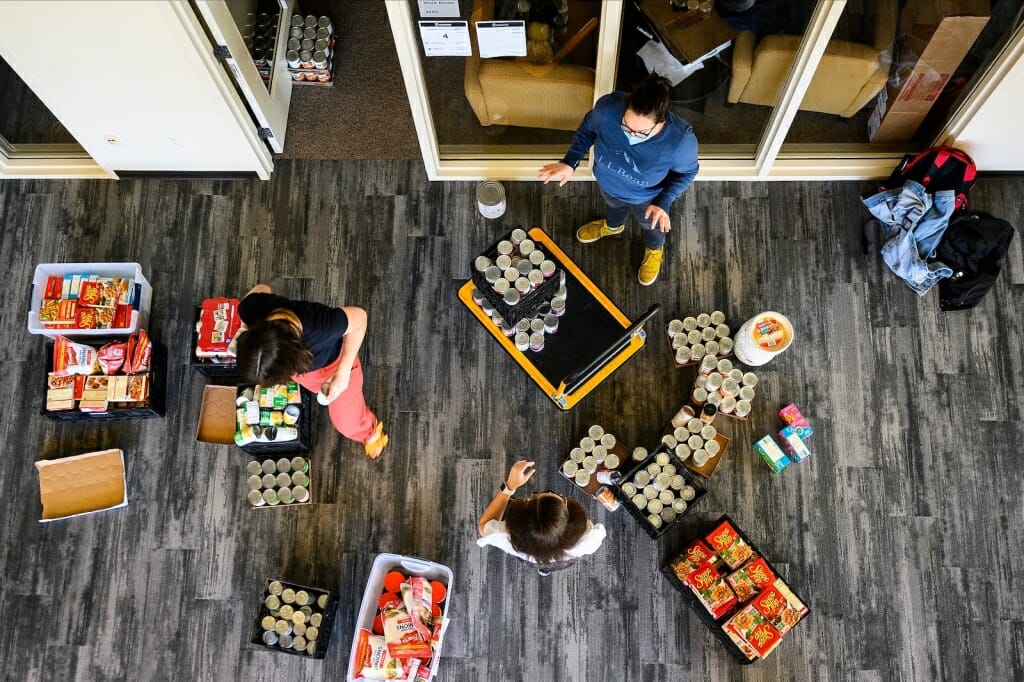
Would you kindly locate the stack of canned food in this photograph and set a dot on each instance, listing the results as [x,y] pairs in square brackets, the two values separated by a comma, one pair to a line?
[729,389]
[295,619]
[260,36]
[519,269]
[273,483]
[693,338]
[659,491]
[267,414]
[310,52]
[696,438]
[593,463]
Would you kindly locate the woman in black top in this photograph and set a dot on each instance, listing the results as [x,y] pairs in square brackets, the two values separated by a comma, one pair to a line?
[317,346]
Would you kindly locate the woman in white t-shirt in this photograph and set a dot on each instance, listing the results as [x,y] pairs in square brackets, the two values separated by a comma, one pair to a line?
[546,529]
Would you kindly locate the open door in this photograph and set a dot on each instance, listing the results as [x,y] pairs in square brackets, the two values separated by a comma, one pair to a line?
[230,24]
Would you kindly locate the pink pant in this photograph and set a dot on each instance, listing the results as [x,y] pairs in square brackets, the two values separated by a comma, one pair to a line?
[349,413]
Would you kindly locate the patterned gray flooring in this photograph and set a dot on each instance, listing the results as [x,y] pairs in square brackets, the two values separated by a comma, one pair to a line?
[903,531]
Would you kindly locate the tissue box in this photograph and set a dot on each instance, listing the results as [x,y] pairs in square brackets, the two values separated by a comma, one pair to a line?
[791,416]
[794,444]
[772,454]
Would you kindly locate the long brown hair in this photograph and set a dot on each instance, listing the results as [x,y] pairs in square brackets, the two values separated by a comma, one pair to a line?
[271,351]
[544,526]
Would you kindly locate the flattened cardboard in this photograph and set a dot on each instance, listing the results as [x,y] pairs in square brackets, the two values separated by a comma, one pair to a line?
[217,416]
[938,35]
[82,484]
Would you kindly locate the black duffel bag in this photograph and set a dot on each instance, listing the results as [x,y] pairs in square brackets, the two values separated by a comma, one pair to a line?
[974,246]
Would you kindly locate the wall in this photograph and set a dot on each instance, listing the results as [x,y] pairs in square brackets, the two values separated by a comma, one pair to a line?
[126,79]
[991,135]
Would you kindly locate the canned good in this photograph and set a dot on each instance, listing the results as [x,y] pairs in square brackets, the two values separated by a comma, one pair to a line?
[642,479]
[300,493]
[322,603]
[536,257]
[282,627]
[536,278]
[309,34]
[693,337]
[501,286]
[306,59]
[298,629]
[551,326]
[689,324]
[276,587]
[270,638]
[655,506]
[314,622]
[285,493]
[511,297]
[268,622]
[640,501]
[599,452]
[722,331]
[703,320]
[285,641]
[569,468]
[558,306]
[324,23]
[526,247]
[300,478]
[255,498]
[307,45]
[590,464]
[537,342]
[288,596]
[682,451]
[296,32]
[321,44]
[725,346]
[292,57]
[523,285]
[639,454]
[320,59]
[272,602]
[612,461]
[682,355]
[522,341]
[283,479]
[708,334]
[254,482]
[270,497]
[582,478]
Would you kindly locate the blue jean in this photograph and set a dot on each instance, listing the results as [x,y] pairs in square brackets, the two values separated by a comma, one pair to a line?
[617,211]
[913,222]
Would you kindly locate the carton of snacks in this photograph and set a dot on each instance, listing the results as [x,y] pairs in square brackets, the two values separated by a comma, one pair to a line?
[754,576]
[740,643]
[770,603]
[792,611]
[711,589]
[794,444]
[764,638]
[692,557]
[772,454]
[749,624]
[728,544]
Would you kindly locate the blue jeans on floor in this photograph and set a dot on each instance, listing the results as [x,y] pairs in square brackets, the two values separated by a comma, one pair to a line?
[617,211]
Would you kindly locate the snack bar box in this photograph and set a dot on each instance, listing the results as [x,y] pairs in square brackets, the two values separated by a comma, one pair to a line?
[383,564]
[141,305]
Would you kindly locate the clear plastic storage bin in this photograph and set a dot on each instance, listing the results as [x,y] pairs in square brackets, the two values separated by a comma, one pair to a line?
[141,304]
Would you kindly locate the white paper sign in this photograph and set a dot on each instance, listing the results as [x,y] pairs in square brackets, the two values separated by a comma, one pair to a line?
[501,38]
[439,8]
[445,38]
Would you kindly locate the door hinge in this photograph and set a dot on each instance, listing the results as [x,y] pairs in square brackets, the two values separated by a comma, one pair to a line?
[221,52]
[265,134]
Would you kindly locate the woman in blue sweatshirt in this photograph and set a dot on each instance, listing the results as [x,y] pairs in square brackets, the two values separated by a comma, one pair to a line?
[644,159]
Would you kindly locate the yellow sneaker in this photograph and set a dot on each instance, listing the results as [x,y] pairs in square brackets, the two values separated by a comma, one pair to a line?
[650,266]
[596,229]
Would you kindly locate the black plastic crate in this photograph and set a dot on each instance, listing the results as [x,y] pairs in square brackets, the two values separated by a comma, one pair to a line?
[530,304]
[691,480]
[157,389]
[695,604]
[303,443]
[323,639]
[208,367]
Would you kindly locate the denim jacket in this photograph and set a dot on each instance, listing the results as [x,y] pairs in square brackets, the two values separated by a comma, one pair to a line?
[913,222]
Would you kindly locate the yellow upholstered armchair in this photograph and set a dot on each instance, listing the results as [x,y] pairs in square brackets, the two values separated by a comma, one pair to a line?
[513,93]
[848,77]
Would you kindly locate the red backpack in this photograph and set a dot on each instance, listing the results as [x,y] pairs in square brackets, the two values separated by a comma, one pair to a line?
[938,169]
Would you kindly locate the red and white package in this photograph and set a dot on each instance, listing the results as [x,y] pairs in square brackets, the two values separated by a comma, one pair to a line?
[402,637]
[416,594]
[73,358]
[140,349]
[374,662]
[111,356]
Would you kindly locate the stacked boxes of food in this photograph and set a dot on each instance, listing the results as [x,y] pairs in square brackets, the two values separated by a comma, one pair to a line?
[749,604]
[521,289]
[792,436]
[85,379]
[694,337]
[310,53]
[281,482]
[268,414]
[217,326]
[295,619]
[85,301]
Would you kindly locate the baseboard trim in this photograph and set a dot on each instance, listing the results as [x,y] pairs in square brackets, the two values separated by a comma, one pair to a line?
[189,175]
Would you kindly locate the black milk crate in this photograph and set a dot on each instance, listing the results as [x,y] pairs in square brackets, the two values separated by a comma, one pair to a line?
[530,304]
[303,443]
[695,604]
[157,388]
[208,367]
[323,639]
[691,480]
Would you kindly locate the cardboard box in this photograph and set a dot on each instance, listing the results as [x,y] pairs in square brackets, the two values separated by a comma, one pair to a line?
[82,484]
[217,416]
[937,34]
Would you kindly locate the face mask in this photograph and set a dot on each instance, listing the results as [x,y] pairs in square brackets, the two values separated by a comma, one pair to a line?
[635,140]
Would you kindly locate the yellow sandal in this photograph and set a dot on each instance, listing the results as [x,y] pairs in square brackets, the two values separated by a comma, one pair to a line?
[376,446]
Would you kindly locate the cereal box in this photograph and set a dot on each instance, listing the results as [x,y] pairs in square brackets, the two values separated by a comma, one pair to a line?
[728,544]
[711,589]
[754,576]
[692,557]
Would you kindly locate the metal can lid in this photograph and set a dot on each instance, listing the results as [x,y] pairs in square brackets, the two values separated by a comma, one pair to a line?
[300,493]
[275,587]
[292,55]
[312,632]
[288,595]
[306,56]
[270,638]
[268,622]
[319,56]
[320,44]
[298,20]
[302,598]
[323,22]
[322,601]
[314,623]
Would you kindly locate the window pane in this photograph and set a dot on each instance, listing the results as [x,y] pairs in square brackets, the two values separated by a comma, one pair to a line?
[726,96]
[522,105]
[24,119]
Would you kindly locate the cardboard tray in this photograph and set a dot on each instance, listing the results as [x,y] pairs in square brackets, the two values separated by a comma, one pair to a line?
[641,518]
[530,304]
[409,565]
[157,389]
[323,640]
[82,484]
[303,443]
[625,456]
[216,423]
[694,603]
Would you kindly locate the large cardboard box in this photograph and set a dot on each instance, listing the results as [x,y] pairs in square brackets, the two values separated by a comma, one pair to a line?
[217,416]
[82,484]
[937,34]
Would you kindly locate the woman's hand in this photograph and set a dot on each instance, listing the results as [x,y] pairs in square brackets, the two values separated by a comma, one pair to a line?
[337,384]
[556,171]
[658,217]
[519,475]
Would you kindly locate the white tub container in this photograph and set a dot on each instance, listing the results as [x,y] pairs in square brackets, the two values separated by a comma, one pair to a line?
[408,565]
[140,312]
[762,337]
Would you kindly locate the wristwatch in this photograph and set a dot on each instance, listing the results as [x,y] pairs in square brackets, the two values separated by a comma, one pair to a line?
[505,490]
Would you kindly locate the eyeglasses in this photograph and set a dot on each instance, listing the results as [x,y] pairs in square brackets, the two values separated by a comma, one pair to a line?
[636,133]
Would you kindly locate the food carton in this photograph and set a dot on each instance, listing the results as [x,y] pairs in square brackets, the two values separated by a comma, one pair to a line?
[692,557]
[712,590]
[794,444]
[754,576]
[728,544]
[772,454]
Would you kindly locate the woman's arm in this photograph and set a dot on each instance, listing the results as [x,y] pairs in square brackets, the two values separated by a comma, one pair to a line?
[350,345]
[516,478]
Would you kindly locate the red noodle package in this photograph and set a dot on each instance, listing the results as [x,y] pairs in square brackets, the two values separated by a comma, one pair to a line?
[111,356]
[401,635]
[418,598]
[374,661]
